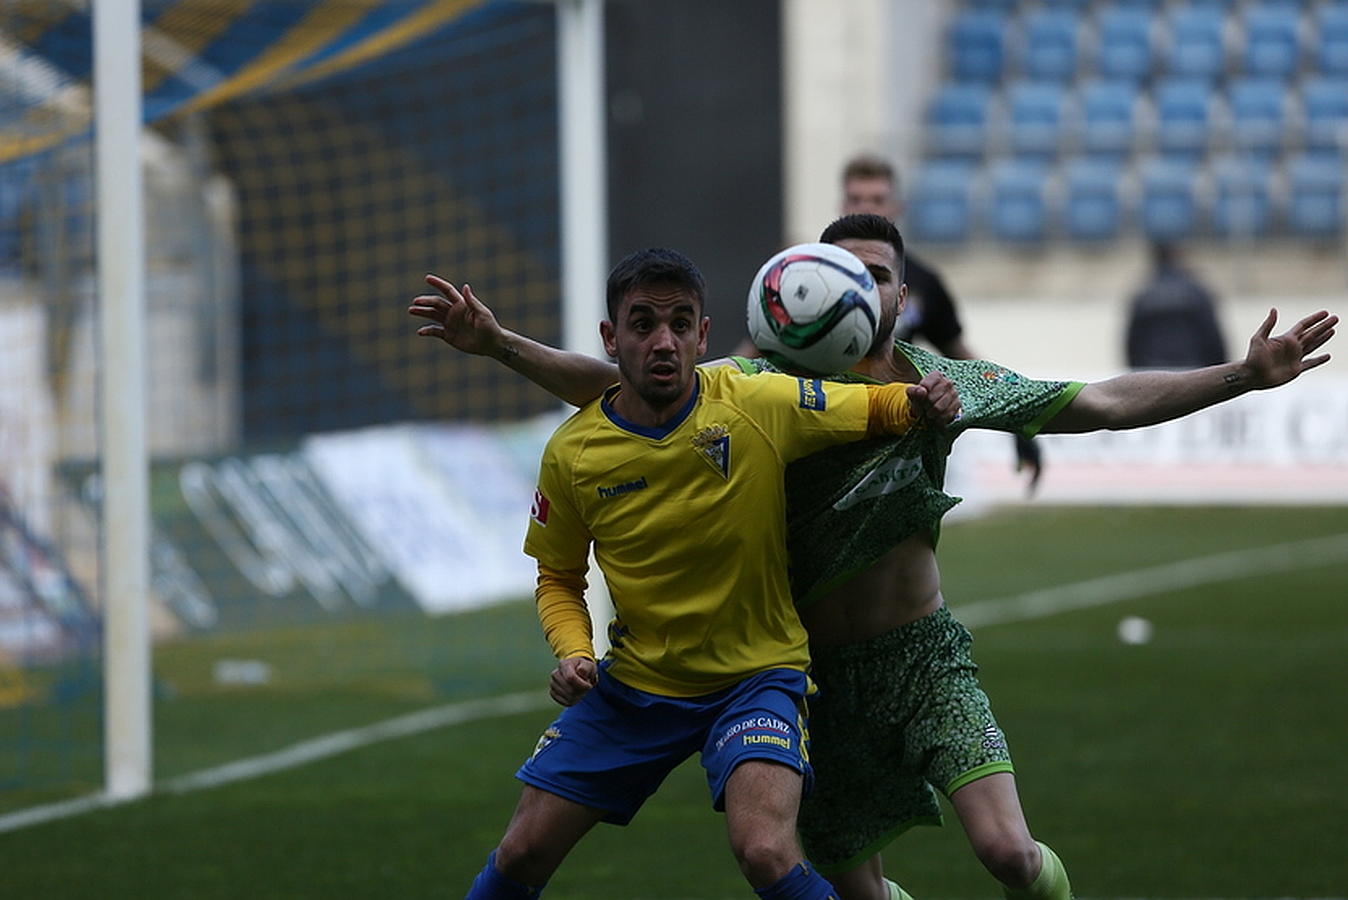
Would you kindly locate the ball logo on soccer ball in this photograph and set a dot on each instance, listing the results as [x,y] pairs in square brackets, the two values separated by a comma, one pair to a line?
[814,309]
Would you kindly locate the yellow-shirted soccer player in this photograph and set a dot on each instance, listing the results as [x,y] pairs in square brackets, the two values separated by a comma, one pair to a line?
[708,655]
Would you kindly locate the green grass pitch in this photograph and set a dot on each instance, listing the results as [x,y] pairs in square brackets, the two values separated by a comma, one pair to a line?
[1207,763]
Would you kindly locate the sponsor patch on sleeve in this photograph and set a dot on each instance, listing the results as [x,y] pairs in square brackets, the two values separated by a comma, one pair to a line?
[539,511]
[812,394]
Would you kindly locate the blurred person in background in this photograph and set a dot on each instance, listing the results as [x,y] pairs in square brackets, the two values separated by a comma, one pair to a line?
[870,185]
[900,714]
[1172,320]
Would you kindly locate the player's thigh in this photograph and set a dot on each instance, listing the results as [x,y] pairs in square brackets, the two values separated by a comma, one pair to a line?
[989,809]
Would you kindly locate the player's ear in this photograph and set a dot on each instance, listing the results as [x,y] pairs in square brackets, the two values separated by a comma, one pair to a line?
[703,329]
[607,335]
[903,296]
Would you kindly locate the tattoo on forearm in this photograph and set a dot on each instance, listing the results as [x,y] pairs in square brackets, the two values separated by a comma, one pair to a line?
[509,352]
[1233,379]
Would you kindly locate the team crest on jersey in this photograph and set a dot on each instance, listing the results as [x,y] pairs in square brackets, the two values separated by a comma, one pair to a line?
[1002,376]
[713,445]
[546,738]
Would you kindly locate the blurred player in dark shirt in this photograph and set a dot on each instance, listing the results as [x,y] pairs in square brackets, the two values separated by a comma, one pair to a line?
[869,185]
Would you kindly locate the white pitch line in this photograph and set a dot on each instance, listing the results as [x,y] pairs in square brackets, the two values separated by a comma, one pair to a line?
[1229,566]
[297,754]
[1035,604]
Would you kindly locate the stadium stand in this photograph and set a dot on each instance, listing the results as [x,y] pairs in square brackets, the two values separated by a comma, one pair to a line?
[1246,98]
[1258,119]
[1048,48]
[1092,202]
[975,46]
[1331,41]
[1196,47]
[1168,208]
[1017,200]
[1183,114]
[1123,43]
[1325,103]
[1315,186]
[940,202]
[1107,123]
[957,120]
[1242,204]
[1035,115]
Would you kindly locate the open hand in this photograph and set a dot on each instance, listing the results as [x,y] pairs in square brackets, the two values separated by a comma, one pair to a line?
[458,318]
[1277,360]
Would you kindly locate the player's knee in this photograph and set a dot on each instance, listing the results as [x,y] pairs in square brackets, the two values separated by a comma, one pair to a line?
[1013,860]
[763,858]
[523,860]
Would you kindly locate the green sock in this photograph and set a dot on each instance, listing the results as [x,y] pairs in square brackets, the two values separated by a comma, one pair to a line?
[896,892]
[1051,883]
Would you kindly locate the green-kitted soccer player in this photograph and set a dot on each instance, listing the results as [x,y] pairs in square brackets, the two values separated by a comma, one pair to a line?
[900,714]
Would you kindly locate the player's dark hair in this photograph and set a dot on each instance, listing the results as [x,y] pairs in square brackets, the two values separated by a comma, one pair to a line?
[657,265]
[866,227]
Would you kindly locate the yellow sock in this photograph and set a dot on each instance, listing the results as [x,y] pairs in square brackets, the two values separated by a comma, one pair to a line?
[1050,884]
[896,892]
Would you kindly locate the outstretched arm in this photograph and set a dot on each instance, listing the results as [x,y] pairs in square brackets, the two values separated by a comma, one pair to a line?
[465,323]
[1146,398]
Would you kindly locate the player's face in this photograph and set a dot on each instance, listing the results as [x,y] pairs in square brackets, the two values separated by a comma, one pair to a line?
[658,336]
[883,263]
[869,195]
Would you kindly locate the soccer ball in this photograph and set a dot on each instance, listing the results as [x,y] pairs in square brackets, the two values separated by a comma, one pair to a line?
[813,308]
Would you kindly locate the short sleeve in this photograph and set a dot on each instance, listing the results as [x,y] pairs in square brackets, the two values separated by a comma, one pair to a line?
[557,535]
[803,415]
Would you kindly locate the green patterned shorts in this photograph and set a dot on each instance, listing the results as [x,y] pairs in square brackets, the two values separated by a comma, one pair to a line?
[895,717]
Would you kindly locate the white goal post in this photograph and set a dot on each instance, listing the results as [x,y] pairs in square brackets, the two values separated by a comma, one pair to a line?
[122,407]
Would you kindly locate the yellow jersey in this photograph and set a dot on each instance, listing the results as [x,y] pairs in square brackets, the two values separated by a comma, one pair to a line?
[688,523]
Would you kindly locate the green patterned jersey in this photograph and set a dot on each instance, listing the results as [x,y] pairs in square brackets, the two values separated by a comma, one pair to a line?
[849,505]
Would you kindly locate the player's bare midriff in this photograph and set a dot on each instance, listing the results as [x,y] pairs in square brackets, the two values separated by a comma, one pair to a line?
[903,586]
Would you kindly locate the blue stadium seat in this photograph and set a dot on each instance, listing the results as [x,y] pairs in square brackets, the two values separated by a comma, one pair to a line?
[940,202]
[957,120]
[1107,117]
[1259,119]
[1092,209]
[1048,46]
[1123,46]
[1035,112]
[1002,6]
[1272,45]
[1331,39]
[1168,205]
[974,45]
[1183,116]
[1017,207]
[1197,46]
[1242,203]
[1315,184]
[1324,102]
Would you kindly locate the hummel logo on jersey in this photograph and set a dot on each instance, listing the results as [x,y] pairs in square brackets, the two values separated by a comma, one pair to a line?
[713,444]
[626,487]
